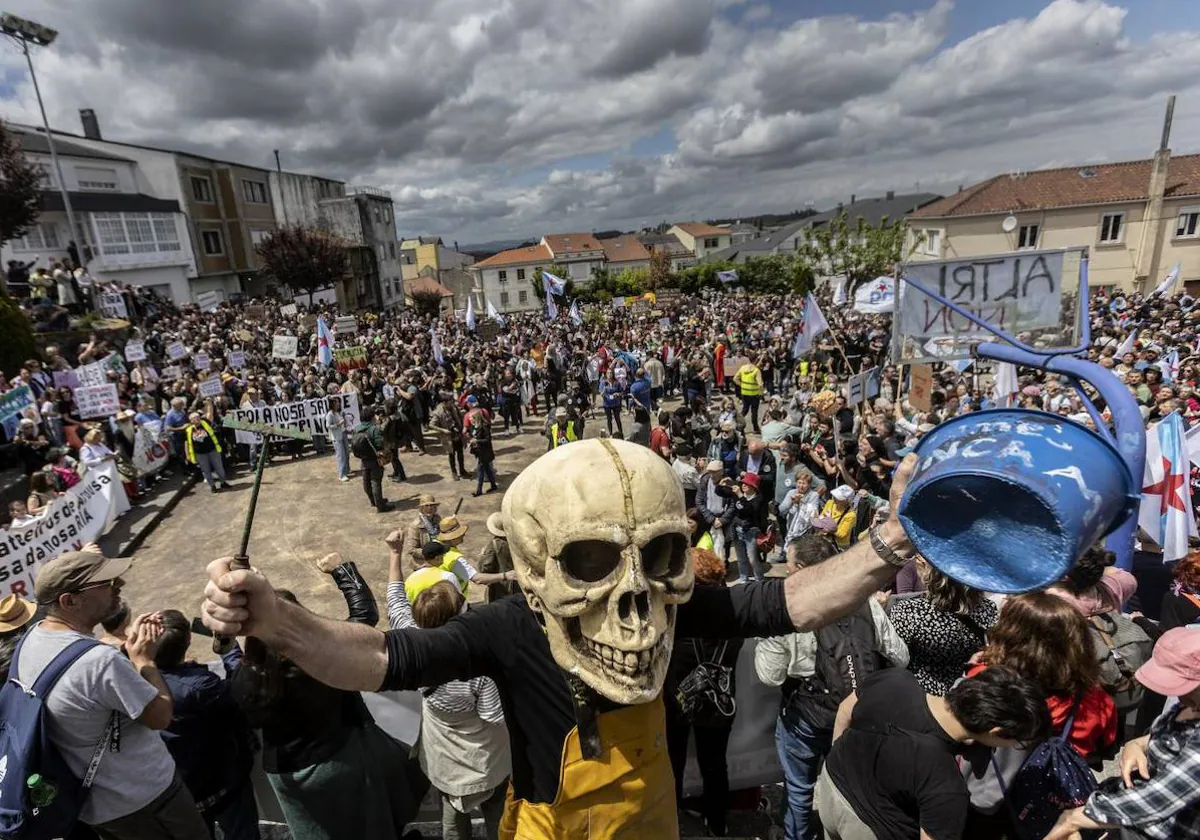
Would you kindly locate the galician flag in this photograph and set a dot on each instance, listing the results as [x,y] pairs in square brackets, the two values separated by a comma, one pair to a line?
[471,313]
[437,345]
[551,309]
[576,318]
[730,276]
[493,314]
[553,283]
[812,324]
[324,343]
[1164,288]
[1166,510]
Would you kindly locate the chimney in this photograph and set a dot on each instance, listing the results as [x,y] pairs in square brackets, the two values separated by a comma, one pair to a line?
[852,197]
[1151,245]
[91,125]
[891,194]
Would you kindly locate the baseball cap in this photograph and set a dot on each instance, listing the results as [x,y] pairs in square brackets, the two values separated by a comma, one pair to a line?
[72,571]
[433,549]
[1174,667]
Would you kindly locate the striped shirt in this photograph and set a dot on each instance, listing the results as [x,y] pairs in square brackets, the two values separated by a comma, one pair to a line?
[479,694]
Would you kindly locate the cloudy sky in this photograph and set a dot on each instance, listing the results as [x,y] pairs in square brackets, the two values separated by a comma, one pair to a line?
[500,119]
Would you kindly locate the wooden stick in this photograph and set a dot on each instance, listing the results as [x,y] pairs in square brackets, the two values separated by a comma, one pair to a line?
[241,560]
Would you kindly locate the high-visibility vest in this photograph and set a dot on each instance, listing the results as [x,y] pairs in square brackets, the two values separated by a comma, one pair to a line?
[749,380]
[570,435]
[706,542]
[448,565]
[191,450]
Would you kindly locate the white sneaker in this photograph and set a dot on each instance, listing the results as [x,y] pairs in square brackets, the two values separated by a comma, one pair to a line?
[344,478]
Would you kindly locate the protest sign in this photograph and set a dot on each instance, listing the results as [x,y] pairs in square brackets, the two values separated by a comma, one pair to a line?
[245,336]
[285,347]
[920,387]
[618,303]
[171,372]
[135,350]
[255,313]
[15,401]
[97,401]
[306,415]
[346,324]
[487,330]
[350,358]
[150,448]
[201,361]
[209,301]
[114,363]
[1022,292]
[855,389]
[307,323]
[237,359]
[79,516]
[288,311]
[66,379]
[92,374]
[112,305]
[211,387]
[176,351]
[664,323]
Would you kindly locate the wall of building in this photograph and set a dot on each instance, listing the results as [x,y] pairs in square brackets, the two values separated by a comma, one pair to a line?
[506,295]
[297,198]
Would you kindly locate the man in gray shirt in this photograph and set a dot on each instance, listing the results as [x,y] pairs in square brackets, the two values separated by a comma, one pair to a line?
[136,793]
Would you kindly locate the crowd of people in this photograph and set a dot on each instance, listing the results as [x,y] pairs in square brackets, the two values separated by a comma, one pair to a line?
[931,731]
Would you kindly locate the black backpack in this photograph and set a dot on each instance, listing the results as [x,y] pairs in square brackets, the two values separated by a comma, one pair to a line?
[361,446]
[847,653]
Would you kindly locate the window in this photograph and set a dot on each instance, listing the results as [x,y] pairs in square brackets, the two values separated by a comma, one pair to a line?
[522,296]
[382,253]
[391,250]
[378,214]
[93,178]
[38,237]
[1188,222]
[1112,227]
[711,242]
[503,276]
[1027,236]
[933,243]
[255,192]
[257,237]
[134,233]
[212,242]
[202,189]
[520,274]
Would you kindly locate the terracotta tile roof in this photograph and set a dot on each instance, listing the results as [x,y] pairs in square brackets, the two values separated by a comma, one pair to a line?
[531,255]
[702,229]
[425,283]
[625,248]
[1075,186]
[571,243]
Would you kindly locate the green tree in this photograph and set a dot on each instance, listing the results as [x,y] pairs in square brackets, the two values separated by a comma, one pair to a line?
[660,275]
[303,259]
[427,302]
[860,251]
[20,192]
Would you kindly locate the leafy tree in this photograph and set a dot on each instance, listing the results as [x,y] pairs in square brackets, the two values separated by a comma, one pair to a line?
[427,302]
[860,251]
[304,259]
[632,281]
[17,342]
[660,269]
[20,191]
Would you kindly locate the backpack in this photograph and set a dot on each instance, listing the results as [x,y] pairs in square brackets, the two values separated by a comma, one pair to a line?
[361,446]
[1053,779]
[847,653]
[704,696]
[26,750]
[1121,647]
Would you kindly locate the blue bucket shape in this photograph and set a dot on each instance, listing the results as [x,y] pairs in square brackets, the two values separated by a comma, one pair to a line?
[1007,500]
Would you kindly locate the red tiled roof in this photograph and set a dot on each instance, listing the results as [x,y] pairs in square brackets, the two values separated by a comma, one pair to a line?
[625,248]
[424,283]
[702,229]
[1075,186]
[530,254]
[571,243]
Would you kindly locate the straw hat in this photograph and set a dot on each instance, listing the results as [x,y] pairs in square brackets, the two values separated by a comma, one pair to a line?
[495,525]
[426,499]
[15,613]
[451,529]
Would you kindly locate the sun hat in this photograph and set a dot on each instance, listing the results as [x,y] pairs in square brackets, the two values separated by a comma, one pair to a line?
[750,480]
[1174,667]
[451,529]
[495,524]
[842,493]
[714,465]
[15,613]
[72,571]
[426,499]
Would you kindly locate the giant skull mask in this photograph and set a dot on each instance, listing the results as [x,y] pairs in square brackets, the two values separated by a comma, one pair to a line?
[599,541]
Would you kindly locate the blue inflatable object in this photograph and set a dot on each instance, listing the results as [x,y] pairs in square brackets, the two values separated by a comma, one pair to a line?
[1007,500]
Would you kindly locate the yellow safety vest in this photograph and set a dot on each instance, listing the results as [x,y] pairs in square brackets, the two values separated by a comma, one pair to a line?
[571,436]
[750,381]
[191,450]
[448,565]
[706,542]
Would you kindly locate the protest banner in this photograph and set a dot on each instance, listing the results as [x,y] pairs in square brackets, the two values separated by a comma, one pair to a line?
[255,313]
[288,310]
[171,372]
[135,350]
[211,387]
[114,363]
[112,305]
[201,361]
[209,301]
[346,324]
[97,401]
[150,448]
[1022,292]
[176,351]
[920,387]
[15,401]
[79,516]
[350,358]
[92,374]
[285,347]
[306,415]
[237,359]
[66,379]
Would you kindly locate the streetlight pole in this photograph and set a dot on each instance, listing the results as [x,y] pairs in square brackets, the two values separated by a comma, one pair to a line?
[25,31]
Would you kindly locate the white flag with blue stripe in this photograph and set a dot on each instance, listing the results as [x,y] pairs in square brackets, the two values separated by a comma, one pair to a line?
[1164,288]
[730,276]
[1166,510]
[812,324]
[554,283]
[437,346]
[471,313]
[493,314]
[576,317]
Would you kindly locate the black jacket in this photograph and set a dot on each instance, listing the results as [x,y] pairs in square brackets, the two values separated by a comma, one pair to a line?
[766,471]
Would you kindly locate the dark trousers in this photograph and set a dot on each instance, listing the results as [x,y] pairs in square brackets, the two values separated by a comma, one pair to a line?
[172,816]
[611,416]
[397,467]
[372,479]
[712,742]
[750,408]
[485,469]
[551,401]
[418,436]
[455,453]
[237,814]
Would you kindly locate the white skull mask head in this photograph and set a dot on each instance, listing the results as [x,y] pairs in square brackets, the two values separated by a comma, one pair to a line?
[599,541]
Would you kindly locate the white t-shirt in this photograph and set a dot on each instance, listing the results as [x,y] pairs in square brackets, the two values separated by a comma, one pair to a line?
[79,707]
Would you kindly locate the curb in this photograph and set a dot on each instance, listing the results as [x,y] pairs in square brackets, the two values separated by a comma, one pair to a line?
[136,540]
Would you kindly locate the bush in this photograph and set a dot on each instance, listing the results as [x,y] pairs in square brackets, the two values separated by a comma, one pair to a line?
[17,343]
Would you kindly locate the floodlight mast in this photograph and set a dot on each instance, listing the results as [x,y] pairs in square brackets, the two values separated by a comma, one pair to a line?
[26,32]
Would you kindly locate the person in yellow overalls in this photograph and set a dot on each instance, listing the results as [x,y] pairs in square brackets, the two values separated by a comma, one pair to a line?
[203,449]
[562,431]
[749,380]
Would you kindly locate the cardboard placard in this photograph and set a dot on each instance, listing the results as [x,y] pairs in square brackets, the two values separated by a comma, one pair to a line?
[66,379]
[114,363]
[346,324]
[211,387]
[150,448]
[14,401]
[97,401]
[201,361]
[288,311]
[920,387]
[92,374]
[350,358]
[209,301]
[237,359]
[171,372]
[112,305]
[176,351]
[135,350]
[285,346]
[257,312]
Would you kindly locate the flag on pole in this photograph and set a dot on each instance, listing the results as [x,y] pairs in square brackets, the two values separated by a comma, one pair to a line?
[324,343]
[437,345]
[1166,510]
[1127,344]
[812,324]
[493,314]
[553,283]
[471,313]
[730,276]
[1164,288]
[1005,387]
[576,318]
[839,294]
[1169,366]
[551,309]
[1193,444]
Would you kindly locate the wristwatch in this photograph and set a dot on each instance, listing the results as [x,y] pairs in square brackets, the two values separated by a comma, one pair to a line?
[888,554]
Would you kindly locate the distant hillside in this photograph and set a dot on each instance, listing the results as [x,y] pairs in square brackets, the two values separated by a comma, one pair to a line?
[768,220]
